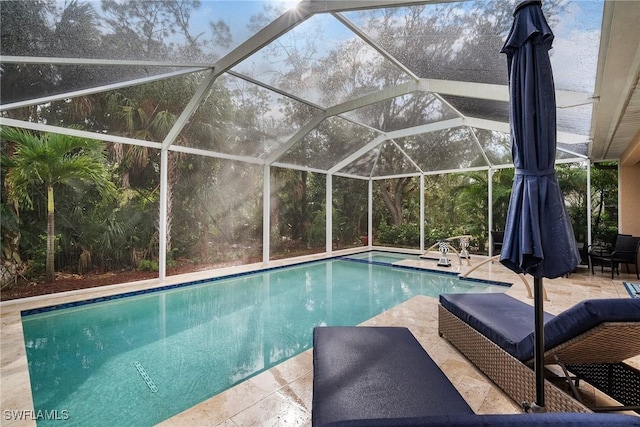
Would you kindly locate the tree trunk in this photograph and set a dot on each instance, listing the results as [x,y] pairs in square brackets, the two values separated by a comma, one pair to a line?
[392,195]
[274,204]
[11,266]
[596,223]
[303,226]
[51,245]
[172,177]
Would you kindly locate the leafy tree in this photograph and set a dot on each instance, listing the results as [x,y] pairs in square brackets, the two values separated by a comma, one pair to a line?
[12,265]
[24,31]
[294,212]
[572,179]
[471,202]
[50,161]
[604,201]
[502,183]
[39,28]
[350,209]
[394,193]
[236,119]
[160,30]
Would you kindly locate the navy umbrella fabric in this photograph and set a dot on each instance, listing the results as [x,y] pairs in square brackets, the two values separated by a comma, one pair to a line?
[538,238]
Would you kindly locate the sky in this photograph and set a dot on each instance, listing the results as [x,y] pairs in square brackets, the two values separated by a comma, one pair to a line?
[574,55]
[575,48]
[236,14]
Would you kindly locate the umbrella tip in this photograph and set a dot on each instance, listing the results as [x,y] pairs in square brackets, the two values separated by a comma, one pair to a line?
[524,3]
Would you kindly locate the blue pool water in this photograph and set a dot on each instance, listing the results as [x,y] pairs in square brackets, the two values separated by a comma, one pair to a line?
[382,256]
[138,360]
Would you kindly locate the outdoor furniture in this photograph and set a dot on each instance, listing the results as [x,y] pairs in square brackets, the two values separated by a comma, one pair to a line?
[495,332]
[377,372]
[381,376]
[445,245]
[597,255]
[625,252]
[496,242]
[584,256]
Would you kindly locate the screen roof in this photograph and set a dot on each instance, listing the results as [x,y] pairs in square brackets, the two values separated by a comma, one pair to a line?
[366,89]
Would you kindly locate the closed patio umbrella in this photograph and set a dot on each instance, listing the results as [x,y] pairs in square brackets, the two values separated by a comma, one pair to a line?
[538,238]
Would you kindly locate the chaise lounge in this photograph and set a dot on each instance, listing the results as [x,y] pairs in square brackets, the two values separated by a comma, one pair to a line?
[381,376]
[495,332]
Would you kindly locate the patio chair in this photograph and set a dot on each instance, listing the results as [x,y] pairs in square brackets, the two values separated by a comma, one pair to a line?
[495,332]
[625,252]
[496,242]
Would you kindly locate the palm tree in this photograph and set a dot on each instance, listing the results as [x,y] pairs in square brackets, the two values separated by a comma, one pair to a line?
[49,161]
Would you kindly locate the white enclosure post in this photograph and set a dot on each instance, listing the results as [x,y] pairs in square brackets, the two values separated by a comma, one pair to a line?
[589,237]
[421,213]
[620,213]
[266,213]
[490,207]
[162,219]
[329,292]
[370,215]
[329,214]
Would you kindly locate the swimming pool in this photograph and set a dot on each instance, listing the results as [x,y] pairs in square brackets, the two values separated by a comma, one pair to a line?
[137,360]
[382,256]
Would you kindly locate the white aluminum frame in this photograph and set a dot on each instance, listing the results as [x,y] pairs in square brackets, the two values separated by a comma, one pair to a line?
[290,19]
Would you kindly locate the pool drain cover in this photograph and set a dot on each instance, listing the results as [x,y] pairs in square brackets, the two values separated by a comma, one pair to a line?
[147,379]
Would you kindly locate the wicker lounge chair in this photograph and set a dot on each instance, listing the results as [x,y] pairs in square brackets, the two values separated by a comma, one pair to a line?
[495,332]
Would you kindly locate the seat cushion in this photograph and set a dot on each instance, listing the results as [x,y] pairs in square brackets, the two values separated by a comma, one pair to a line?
[506,420]
[506,321]
[362,373]
[509,322]
[587,314]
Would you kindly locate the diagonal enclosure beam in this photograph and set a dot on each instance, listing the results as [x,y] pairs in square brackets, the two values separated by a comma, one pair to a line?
[375,45]
[39,127]
[353,104]
[97,89]
[431,127]
[563,137]
[282,25]
[192,106]
[320,6]
[271,32]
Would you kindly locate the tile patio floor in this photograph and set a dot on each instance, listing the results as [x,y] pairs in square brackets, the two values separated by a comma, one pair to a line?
[282,395]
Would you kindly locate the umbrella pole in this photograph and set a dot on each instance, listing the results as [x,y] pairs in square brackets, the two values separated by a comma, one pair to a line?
[538,301]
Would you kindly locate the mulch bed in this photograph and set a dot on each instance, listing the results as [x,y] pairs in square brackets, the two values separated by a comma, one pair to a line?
[69,282]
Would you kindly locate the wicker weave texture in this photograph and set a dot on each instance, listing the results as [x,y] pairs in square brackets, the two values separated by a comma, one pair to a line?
[606,343]
[511,375]
[618,380]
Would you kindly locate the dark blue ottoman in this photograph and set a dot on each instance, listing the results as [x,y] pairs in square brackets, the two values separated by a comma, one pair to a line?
[364,373]
[382,377]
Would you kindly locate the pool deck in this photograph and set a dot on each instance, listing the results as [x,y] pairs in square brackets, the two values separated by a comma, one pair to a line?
[283,394]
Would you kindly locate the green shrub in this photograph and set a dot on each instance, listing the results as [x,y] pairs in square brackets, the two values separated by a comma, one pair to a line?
[148,265]
[407,234]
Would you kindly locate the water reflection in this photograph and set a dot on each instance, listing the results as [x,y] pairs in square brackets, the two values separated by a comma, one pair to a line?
[197,341]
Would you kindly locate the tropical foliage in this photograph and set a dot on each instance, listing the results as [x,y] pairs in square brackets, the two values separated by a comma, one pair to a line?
[41,165]
[107,195]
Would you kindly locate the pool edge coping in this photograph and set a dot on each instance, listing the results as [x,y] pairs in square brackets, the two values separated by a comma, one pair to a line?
[166,287]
